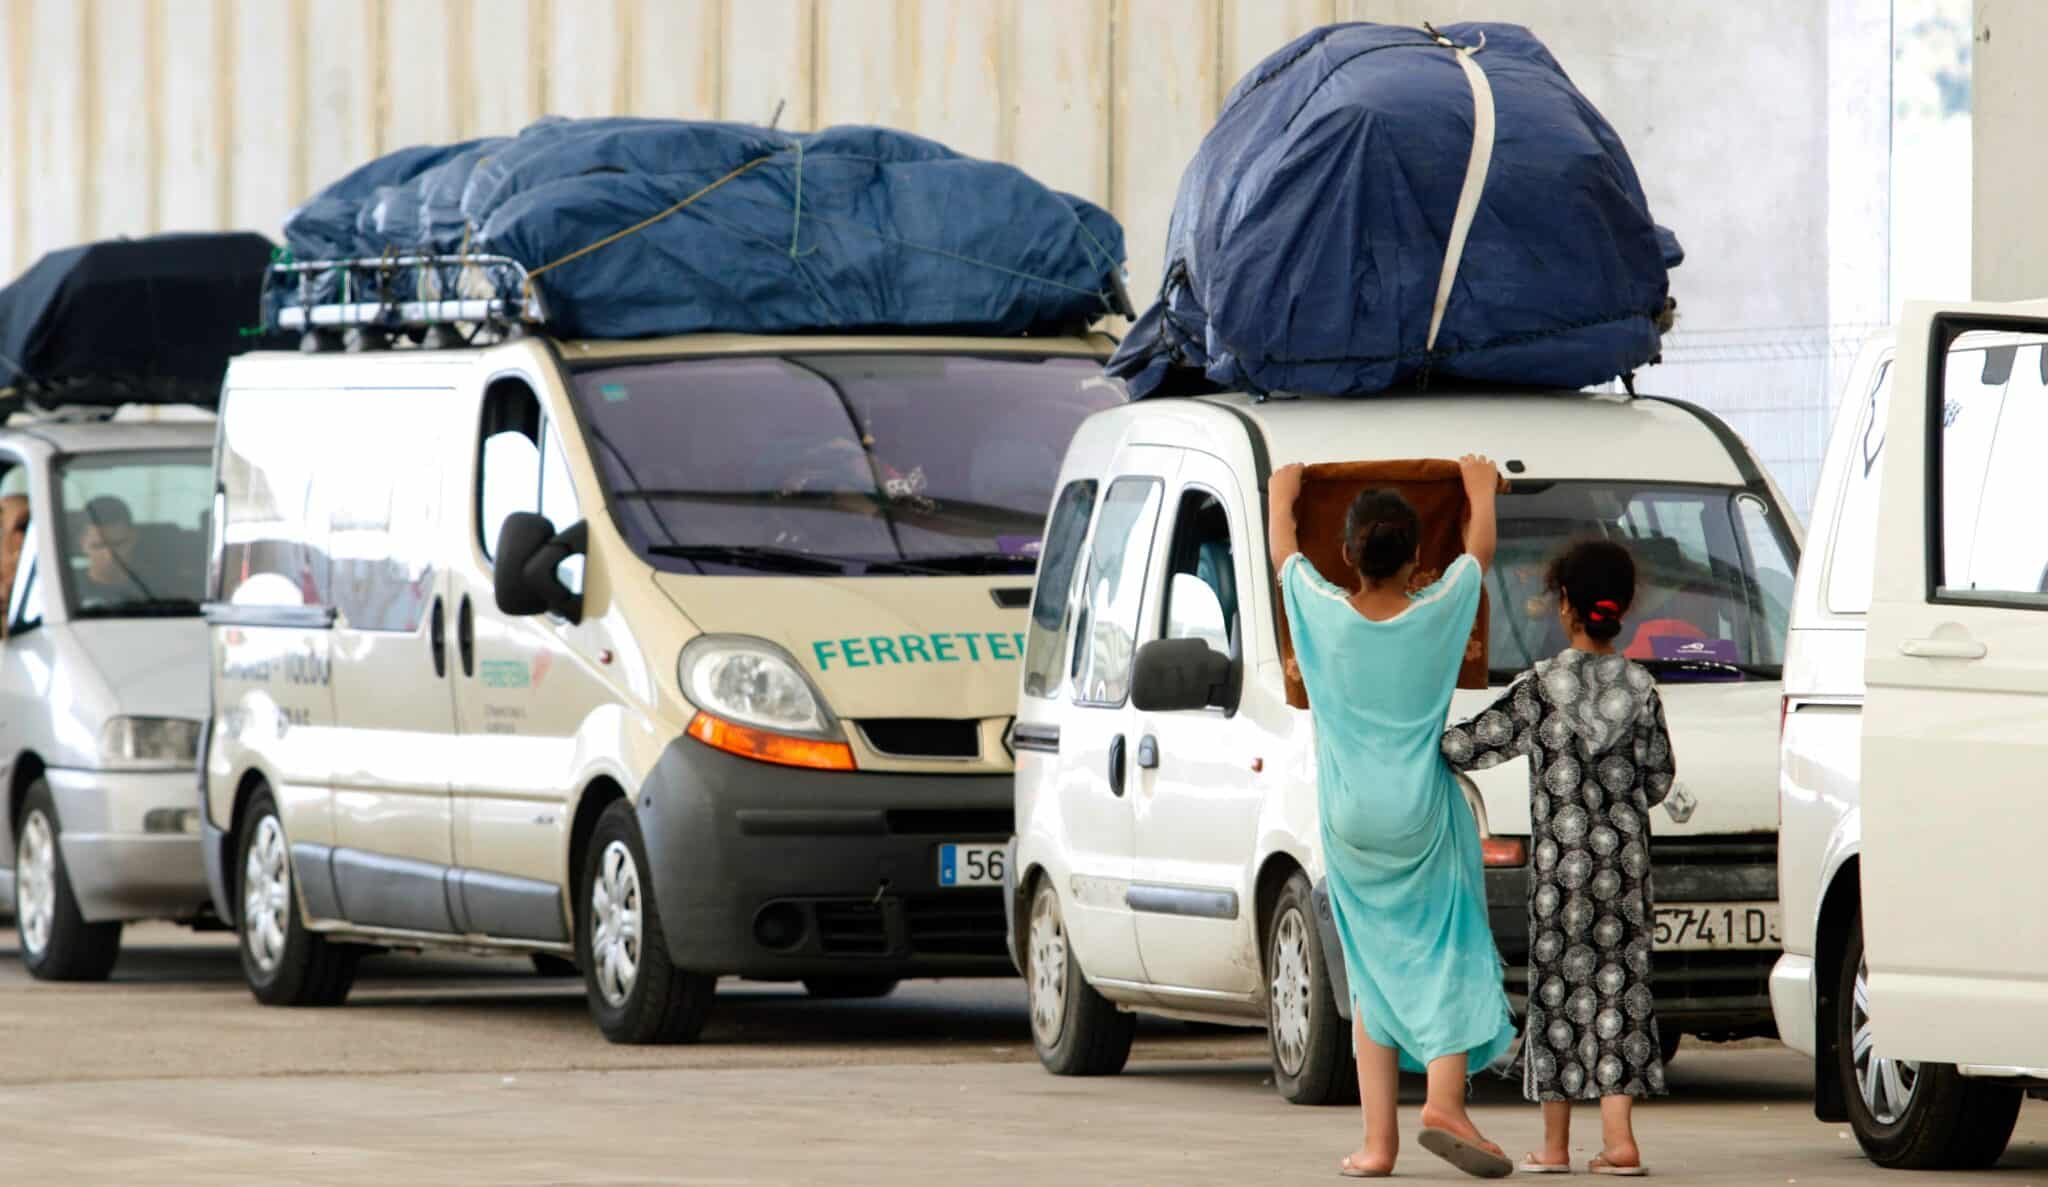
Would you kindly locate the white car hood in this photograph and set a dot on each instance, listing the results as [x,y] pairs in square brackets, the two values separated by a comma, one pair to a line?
[1725,737]
[152,667]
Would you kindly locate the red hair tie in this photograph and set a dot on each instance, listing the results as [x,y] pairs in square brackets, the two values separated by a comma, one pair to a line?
[1604,610]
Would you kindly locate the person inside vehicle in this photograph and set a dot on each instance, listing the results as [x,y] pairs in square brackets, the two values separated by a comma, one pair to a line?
[108,546]
[13,539]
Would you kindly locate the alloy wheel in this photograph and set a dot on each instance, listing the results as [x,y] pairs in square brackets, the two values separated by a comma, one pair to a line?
[1887,1085]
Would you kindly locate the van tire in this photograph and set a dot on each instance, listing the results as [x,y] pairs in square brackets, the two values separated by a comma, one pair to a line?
[849,988]
[295,966]
[72,949]
[1315,1035]
[1075,1030]
[661,1003]
[1952,1122]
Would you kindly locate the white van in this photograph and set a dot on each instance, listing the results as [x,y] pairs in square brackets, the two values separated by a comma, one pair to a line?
[672,658]
[103,527]
[1167,843]
[1916,694]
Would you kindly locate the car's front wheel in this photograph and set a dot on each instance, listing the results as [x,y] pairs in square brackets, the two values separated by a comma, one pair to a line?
[1076,1030]
[1912,1116]
[1312,1058]
[57,944]
[284,963]
[636,994]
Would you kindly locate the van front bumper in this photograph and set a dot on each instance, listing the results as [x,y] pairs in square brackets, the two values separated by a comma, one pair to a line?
[779,873]
[130,841]
[1792,1001]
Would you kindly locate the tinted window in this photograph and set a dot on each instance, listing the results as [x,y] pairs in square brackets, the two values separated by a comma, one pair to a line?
[837,464]
[1045,650]
[1993,410]
[1114,591]
[1713,569]
[134,527]
[1854,555]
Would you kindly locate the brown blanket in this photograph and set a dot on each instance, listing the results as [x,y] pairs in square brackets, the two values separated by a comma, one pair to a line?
[1436,491]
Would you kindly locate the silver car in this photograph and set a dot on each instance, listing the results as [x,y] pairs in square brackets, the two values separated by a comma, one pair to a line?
[103,682]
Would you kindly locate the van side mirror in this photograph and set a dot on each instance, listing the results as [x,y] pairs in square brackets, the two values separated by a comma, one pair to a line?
[532,562]
[1175,674]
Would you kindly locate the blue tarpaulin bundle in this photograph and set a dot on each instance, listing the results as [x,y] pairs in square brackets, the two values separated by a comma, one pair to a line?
[733,227]
[1309,238]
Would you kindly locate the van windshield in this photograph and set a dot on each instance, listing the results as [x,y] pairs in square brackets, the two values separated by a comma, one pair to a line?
[837,465]
[134,531]
[1714,575]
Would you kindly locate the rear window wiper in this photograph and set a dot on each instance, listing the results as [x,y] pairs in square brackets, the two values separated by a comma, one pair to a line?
[792,560]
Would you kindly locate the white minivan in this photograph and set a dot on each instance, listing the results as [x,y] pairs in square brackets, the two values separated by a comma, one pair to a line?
[674,658]
[103,525]
[1915,733]
[1167,836]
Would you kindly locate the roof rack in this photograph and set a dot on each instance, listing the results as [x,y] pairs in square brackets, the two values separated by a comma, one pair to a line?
[436,300]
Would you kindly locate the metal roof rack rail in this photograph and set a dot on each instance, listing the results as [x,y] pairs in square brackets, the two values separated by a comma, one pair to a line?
[433,300]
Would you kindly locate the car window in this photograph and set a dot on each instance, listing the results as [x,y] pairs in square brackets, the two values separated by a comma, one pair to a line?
[382,502]
[133,530]
[1045,648]
[521,466]
[1201,575]
[1993,408]
[1113,592]
[25,599]
[1853,557]
[273,538]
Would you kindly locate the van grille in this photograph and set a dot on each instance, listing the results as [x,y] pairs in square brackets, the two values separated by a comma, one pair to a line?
[923,737]
[957,923]
[1740,849]
[852,929]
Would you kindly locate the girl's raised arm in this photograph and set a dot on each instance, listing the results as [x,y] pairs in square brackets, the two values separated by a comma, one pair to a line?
[1281,491]
[1482,483]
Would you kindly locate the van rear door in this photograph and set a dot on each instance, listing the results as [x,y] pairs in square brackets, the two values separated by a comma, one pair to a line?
[1955,802]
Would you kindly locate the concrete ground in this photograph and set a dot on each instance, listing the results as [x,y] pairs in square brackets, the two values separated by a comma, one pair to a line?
[461,1072]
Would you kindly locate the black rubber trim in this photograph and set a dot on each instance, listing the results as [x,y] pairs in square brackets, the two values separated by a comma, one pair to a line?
[383,891]
[313,866]
[307,618]
[1195,902]
[850,822]
[510,906]
[1262,473]
[1015,597]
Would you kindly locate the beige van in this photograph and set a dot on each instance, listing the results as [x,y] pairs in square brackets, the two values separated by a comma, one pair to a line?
[673,659]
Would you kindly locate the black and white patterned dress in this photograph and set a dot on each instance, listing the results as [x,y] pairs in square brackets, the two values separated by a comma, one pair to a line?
[1600,758]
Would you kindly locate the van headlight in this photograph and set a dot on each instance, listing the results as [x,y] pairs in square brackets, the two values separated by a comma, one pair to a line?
[149,742]
[752,682]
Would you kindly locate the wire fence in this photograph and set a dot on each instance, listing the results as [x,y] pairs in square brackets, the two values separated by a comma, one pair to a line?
[1775,385]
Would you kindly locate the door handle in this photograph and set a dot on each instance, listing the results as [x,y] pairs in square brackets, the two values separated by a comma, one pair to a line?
[1116,765]
[1943,649]
[1148,753]
[437,636]
[465,636]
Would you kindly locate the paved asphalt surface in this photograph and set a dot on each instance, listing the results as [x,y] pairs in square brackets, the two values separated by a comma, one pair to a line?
[455,1071]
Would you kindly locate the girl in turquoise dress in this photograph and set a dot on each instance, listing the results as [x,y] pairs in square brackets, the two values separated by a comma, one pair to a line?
[1400,845]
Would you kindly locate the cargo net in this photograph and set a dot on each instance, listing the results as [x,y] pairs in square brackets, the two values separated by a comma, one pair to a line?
[430,300]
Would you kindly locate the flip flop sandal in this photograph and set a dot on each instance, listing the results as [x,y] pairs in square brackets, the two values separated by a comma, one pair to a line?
[1529,1166]
[1470,1157]
[1349,1171]
[1600,1166]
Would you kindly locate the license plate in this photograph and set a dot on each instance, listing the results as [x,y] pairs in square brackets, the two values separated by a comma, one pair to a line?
[1717,927]
[970,865]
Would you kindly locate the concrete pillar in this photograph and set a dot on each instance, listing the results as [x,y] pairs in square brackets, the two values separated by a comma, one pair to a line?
[2009,171]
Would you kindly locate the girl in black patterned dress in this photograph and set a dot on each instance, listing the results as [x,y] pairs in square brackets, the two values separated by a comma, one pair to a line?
[1591,724]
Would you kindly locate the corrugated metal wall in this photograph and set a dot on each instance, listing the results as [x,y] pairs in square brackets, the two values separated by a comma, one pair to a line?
[127,116]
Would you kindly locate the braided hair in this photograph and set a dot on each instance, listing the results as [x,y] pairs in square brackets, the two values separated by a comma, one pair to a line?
[1381,533]
[1597,578]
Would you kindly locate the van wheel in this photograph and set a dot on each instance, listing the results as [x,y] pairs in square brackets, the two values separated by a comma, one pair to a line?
[849,988]
[636,994]
[548,965]
[284,963]
[1912,1116]
[57,944]
[1076,1030]
[1312,1059]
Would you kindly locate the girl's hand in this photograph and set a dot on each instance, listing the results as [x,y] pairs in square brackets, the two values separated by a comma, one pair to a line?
[1285,484]
[1481,476]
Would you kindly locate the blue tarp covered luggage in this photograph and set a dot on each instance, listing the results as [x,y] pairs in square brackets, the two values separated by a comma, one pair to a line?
[1309,236]
[733,227]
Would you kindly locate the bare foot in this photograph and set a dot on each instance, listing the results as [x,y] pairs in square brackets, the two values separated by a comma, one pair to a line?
[1459,1123]
[1364,1163]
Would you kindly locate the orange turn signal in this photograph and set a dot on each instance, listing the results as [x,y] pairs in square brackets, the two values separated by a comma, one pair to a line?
[1503,851]
[764,746]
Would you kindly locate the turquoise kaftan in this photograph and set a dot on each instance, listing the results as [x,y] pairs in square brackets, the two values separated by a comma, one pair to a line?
[1400,845]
